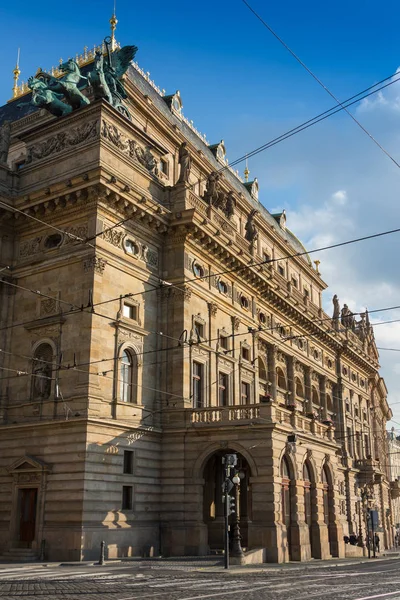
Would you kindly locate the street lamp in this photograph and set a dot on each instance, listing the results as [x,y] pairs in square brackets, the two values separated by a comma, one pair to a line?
[236,537]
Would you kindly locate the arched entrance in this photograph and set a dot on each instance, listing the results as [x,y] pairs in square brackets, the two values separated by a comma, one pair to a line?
[329,518]
[308,504]
[213,508]
[286,503]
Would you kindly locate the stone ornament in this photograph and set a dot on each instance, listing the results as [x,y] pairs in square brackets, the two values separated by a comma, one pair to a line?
[96,264]
[62,141]
[251,232]
[130,147]
[185,162]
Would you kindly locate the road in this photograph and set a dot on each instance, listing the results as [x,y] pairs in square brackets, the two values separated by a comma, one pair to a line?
[201,581]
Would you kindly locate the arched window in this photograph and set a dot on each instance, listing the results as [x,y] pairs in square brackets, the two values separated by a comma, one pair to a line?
[307,494]
[329,403]
[299,388]
[325,492]
[128,377]
[262,371]
[281,379]
[42,368]
[315,397]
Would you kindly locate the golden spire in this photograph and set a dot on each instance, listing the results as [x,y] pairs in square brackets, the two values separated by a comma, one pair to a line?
[17,73]
[246,171]
[113,23]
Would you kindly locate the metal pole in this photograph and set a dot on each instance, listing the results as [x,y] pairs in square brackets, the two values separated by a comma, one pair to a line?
[236,537]
[373,537]
[226,528]
[102,552]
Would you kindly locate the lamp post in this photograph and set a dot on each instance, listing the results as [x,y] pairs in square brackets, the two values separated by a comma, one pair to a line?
[366,498]
[236,537]
[360,533]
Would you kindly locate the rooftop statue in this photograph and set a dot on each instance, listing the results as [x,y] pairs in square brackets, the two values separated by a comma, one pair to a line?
[43,97]
[107,73]
[67,85]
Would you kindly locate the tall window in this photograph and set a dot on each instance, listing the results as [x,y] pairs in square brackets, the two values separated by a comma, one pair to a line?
[127,497]
[223,381]
[262,371]
[128,462]
[128,377]
[307,494]
[245,393]
[325,492]
[350,441]
[198,385]
[42,372]
[285,497]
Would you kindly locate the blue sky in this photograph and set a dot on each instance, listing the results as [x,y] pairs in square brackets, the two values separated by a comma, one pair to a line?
[239,84]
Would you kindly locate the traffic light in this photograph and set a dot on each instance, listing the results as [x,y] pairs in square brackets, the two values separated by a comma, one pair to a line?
[231,505]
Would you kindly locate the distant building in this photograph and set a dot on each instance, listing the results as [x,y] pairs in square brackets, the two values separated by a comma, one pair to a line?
[155,317]
[394,475]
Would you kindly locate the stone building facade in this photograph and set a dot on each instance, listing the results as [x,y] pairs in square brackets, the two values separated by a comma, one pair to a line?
[154,317]
[394,476]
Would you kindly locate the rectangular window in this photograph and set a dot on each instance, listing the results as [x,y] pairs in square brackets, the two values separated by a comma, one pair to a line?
[281,270]
[223,382]
[294,282]
[245,393]
[127,497]
[366,445]
[223,342]
[128,462]
[198,385]
[306,292]
[129,311]
[349,441]
[199,327]
[266,257]
[245,353]
[163,166]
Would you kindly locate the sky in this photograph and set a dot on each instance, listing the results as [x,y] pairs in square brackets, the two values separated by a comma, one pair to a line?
[238,83]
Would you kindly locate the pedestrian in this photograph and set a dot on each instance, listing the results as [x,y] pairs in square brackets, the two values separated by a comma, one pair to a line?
[377,541]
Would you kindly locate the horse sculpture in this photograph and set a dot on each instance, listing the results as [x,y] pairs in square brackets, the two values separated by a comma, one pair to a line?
[68,85]
[43,97]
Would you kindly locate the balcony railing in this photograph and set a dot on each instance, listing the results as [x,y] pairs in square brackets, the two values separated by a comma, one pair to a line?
[261,413]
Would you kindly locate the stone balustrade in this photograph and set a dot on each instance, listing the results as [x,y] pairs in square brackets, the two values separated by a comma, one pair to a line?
[259,413]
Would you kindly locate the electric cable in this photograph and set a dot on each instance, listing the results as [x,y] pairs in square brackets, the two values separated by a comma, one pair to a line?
[320,82]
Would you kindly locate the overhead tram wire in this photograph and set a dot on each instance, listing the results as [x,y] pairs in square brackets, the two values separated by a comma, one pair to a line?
[281,41]
[72,236]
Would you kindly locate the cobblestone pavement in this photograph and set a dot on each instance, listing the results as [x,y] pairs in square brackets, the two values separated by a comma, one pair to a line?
[201,580]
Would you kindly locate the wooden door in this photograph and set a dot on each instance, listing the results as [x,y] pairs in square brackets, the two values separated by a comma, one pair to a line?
[27,514]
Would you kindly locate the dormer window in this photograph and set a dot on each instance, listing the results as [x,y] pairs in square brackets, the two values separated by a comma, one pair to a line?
[174,102]
[219,152]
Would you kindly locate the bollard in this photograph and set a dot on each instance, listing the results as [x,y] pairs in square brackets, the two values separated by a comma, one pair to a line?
[102,552]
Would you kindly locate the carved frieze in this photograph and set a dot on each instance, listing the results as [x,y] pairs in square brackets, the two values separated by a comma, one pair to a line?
[213,308]
[62,141]
[130,147]
[29,247]
[96,264]
[28,477]
[113,236]
[236,323]
[80,231]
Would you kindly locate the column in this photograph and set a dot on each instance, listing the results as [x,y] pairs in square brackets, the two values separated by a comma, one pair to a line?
[307,391]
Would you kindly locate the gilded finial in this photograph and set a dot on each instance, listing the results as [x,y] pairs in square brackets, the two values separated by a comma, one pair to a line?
[246,171]
[317,263]
[113,23]
[16,73]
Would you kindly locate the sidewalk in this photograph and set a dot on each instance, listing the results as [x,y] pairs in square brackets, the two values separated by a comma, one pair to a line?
[211,564]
